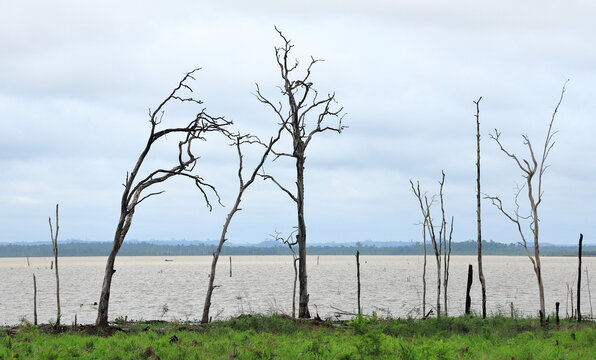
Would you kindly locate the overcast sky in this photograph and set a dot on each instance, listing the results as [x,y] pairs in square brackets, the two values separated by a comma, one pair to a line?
[77,79]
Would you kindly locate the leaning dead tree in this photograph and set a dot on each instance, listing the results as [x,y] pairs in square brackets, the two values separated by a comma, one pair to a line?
[239,140]
[532,171]
[136,188]
[440,242]
[303,104]
[291,243]
[478,217]
[54,237]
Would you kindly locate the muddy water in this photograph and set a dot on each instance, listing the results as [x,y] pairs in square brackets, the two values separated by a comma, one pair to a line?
[151,288]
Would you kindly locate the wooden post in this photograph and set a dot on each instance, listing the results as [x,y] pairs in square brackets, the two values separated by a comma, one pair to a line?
[230,266]
[579,277]
[468,287]
[557,304]
[511,307]
[34,301]
[317,260]
[358,276]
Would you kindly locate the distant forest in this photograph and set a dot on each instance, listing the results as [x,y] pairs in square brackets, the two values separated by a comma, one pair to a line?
[150,249]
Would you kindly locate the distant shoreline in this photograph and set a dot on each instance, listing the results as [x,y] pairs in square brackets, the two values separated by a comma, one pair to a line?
[152,249]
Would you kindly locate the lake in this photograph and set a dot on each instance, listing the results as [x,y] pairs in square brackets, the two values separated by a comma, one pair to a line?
[151,288]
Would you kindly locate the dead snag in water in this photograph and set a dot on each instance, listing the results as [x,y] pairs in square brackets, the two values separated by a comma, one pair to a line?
[579,277]
[358,277]
[54,237]
[478,217]
[468,287]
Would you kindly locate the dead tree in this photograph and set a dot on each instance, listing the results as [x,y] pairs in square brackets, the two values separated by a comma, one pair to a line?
[478,217]
[532,171]
[239,140]
[303,103]
[446,243]
[579,277]
[424,269]
[135,190]
[441,244]
[54,237]
[34,300]
[288,241]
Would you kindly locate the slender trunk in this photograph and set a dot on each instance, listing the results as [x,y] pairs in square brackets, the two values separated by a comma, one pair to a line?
[424,272]
[438,257]
[478,214]
[537,265]
[589,293]
[358,277]
[468,287]
[579,277]
[294,289]
[301,238]
[222,240]
[34,300]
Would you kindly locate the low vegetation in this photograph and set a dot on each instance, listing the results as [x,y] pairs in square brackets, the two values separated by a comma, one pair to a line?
[281,337]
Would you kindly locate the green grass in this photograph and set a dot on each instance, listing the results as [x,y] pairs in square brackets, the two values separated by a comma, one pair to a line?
[280,337]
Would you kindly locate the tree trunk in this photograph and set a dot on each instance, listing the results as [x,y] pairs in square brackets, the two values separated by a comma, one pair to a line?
[424,272]
[104,299]
[468,287]
[358,278]
[294,289]
[579,277]
[438,256]
[34,299]
[478,217]
[301,238]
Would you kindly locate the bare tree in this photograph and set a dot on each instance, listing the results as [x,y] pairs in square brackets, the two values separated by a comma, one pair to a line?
[239,140]
[441,244]
[134,189]
[288,241]
[54,237]
[478,217]
[532,171]
[303,103]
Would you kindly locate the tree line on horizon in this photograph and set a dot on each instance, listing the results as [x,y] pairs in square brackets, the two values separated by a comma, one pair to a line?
[151,249]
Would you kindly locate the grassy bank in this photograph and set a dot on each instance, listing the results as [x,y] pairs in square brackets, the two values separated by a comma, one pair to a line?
[278,337]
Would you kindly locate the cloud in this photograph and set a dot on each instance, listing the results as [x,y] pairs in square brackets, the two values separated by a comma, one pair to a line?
[78,79]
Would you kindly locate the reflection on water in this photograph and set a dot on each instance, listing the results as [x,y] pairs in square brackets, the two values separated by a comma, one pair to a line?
[391,285]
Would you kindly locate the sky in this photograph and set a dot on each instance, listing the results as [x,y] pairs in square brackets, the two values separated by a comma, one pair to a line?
[77,80]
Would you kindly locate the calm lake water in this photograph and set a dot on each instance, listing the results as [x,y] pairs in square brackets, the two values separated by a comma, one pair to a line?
[151,288]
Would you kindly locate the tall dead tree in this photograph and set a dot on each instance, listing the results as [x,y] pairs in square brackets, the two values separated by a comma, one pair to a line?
[135,190]
[532,171]
[239,140]
[288,241]
[441,244]
[303,104]
[478,217]
[54,237]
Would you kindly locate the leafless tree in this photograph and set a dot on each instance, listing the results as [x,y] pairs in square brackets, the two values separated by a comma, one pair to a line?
[532,171]
[135,189]
[441,243]
[239,140]
[478,217]
[303,104]
[290,243]
[54,237]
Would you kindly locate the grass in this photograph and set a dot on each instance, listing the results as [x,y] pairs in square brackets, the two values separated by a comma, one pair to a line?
[281,337]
